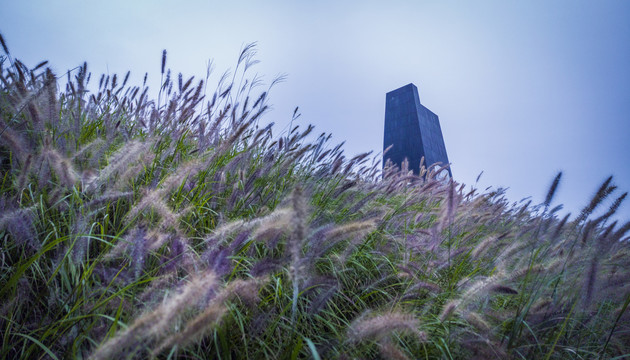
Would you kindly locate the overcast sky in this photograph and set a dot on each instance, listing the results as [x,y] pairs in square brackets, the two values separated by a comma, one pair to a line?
[523,90]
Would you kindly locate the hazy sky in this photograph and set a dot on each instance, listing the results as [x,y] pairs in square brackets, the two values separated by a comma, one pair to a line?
[523,90]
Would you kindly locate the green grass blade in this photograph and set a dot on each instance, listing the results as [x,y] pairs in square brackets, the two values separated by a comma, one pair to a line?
[44,347]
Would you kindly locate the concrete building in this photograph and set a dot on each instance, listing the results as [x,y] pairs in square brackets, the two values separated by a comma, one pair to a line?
[413,130]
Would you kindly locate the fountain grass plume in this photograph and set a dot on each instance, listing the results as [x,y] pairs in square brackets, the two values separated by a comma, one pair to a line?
[184,227]
[382,326]
[158,321]
[604,190]
[246,290]
[552,190]
[20,224]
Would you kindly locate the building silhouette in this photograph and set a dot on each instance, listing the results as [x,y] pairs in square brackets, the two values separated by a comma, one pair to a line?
[412,130]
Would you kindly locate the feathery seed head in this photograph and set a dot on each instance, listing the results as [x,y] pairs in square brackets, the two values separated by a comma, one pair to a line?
[382,326]
[552,190]
[448,310]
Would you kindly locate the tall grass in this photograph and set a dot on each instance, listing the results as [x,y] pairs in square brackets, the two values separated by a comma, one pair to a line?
[181,228]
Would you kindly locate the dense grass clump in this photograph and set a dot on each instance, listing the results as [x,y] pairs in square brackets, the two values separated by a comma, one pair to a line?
[181,228]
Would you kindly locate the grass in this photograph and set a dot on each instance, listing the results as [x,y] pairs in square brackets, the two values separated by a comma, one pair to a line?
[181,228]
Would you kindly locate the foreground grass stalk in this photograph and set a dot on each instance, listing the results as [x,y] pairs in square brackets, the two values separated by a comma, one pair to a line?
[181,227]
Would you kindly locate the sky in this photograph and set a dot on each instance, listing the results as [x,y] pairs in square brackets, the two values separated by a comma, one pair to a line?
[522,89]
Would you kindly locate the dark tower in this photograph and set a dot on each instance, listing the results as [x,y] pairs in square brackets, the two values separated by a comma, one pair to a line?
[413,130]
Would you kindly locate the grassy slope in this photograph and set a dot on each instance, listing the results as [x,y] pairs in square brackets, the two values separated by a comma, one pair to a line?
[179,228]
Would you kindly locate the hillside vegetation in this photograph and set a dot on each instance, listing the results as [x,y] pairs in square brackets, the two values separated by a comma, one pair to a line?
[182,228]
